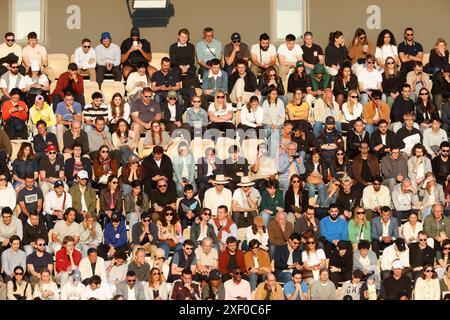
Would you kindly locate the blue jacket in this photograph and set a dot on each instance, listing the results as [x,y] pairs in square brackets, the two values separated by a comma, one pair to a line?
[283,167]
[281,257]
[178,168]
[336,230]
[110,235]
[221,83]
[192,117]
[377,228]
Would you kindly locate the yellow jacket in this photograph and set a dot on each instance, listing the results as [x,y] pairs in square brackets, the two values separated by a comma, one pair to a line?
[45,114]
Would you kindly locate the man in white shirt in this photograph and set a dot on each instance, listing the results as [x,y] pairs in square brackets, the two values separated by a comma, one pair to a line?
[130,288]
[207,257]
[35,52]
[86,59]
[263,54]
[374,197]
[63,228]
[97,290]
[92,265]
[237,288]
[288,55]
[369,79]
[57,202]
[108,59]
[10,80]
[397,250]
[9,52]
[218,195]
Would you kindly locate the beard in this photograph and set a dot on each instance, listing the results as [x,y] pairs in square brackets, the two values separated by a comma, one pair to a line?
[333,218]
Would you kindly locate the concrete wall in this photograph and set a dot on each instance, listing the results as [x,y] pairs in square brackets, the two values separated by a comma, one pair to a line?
[249,17]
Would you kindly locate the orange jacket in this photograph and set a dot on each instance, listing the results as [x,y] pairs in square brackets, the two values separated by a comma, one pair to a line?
[8,110]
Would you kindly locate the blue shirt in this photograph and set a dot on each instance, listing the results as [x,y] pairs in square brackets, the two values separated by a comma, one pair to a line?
[333,230]
[118,238]
[208,51]
[61,109]
[289,289]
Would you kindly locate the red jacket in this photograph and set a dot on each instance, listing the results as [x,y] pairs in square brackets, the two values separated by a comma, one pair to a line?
[7,112]
[224,259]
[63,261]
[63,83]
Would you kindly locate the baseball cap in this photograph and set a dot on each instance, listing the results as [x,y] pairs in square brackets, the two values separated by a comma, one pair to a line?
[133,159]
[76,275]
[215,275]
[39,98]
[105,35]
[58,183]
[51,147]
[235,36]
[83,174]
[400,243]
[115,217]
[397,264]
[299,64]
[172,94]
[330,120]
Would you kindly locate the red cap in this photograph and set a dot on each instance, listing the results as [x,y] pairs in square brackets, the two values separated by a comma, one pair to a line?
[51,147]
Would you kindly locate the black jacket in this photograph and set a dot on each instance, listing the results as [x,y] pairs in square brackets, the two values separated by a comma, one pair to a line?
[250,81]
[264,86]
[166,112]
[202,170]
[281,257]
[340,88]
[230,168]
[69,166]
[375,139]
[40,144]
[353,142]
[82,139]
[31,233]
[151,169]
[419,257]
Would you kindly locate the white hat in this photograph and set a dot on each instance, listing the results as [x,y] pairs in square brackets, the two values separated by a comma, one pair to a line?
[83,174]
[220,179]
[35,66]
[397,264]
[246,182]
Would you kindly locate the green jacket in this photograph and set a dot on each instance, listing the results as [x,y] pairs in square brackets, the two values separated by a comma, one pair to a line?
[354,231]
[433,228]
[89,197]
[315,83]
[130,205]
[271,203]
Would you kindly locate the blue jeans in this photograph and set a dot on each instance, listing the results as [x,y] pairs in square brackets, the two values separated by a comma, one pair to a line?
[125,154]
[370,128]
[266,217]
[126,189]
[166,248]
[253,279]
[283,276]
[318,126]
[312,191]
[273,140]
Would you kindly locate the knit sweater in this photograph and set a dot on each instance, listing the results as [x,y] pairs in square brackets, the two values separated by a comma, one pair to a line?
[320,291]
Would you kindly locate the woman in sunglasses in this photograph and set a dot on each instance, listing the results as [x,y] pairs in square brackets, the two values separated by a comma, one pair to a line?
[425,109]
[344,83]
[156,136]
[359,227]
[427,286]
[360,46]
[156,288]
[169,229]
[293,199]
[46,288]
[110,200]
[392,80]
[18,288]
[340,166]
[313,260]
[220,113]
[104,165]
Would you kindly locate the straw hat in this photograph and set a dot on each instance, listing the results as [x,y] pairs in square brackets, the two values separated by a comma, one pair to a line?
[220,179]
[246,182]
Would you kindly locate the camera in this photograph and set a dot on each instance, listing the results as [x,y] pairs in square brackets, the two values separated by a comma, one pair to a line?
[295,156]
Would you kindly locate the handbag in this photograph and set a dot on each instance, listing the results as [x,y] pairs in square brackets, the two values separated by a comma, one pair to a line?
[314,179]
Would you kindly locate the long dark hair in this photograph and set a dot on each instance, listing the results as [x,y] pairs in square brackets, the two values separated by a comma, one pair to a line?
[344,159]
[14,278]
[113,107]
[296,76]
[380,39]
[300,190]
[334,35]
[175,217]
[255,229]
[252,99]
[21,151]
[117,128]
[429,106]
[140,197]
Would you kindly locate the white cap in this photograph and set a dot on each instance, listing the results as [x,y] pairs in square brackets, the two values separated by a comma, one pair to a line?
[397,264]
[83,174]
[35,66]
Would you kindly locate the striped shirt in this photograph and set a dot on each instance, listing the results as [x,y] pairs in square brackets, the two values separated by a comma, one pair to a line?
[90,112]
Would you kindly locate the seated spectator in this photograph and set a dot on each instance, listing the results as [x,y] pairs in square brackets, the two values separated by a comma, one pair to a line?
[36,53]
[214,79]
[10,226]
[207,50]
[157,166]
[369,79]
[354,138]
[110,200]
[91,235]
[66,112]
[8,196]
[38,260]
[411,228]
[427,285]
[359,227]
[313,259]
[75,136]
[14,115]
[12,257]
[296,289]
[117,268]
[396,251]
[100,137]
[157,286]
[188,207]
[10,80]
[441,165]
[386,48]
[430,193]
[123,141]
[425,109]
[144,233]
[420,254]
[375,111]
[317,175]
[215,289]
[173,111]
[131,172]
[441,87]
[374,197]
[197,118]
[299,111]
[320,82]
[65,227]
[394,167]
[67,259]
[312,53]
[224,227]
[115,238]
[418,165]
[135,51]
[409,51]
[335,53]
[237,288]
[207,259]
[382,140]
[218,195]
[34,84]
[348,198]
[257,264]
[86,59]
[130,288]
[92,265]
[257,231]
[360,47]
[384,230]
[402,106]
[269,79]
[298,80]
[25,164]
[437,226]
[95,290]
[289,53]
[204,229]
[163,196]
[351,289]
[51,169]
[235,51]
[143,112]
[333,229]
[263,55]
[69,81]
[33,229]
[29,199]
[41,111]
[119,110]
[269,289]
[104,165]
[83,196]
[185,288]
[165,80]
[352,109]
[156,136]
[182,53]
[344,86]
[242,84]
[289,163]
[220,113]
[392,80]
[18,288]
[442,266]
[42,139]
[93,111]
[169,230]
[397,284]
[76,164]
[323,289]
[289,252]
[405,199]
[434,136]
[9,50]
[265,167]
[57,205]
[341,262]
[324,109]
[183,259]
[365,166]
[245,203]
[230,257]
[108,58]
[365,260]
[235,168]
[184,169]
[439,57]
[408,131]
[271,201]
[418,79]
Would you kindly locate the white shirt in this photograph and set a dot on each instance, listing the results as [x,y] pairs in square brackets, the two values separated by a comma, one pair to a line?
[82,59]
[158,162]
[62,229]
[385,228]
[370,80]
[372,199]
[222,112]
[53,202]
[314,259]
[252,119]
[262,56]
[389,255]
[233,290]
[102,293]
[290,55]
[108,55]
[386,51]
[262,238]
[12,81]
[8,197]
[383,138]
[213,199]
[131,294]
[173,111]
[27,80]
[409,232]
[357,111]
[133,80]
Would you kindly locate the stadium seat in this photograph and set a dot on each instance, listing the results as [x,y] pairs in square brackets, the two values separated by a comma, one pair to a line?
[109,88]
[89,88]
[156,59]
[426,58]
[249,149]
[222,145]
[58,62]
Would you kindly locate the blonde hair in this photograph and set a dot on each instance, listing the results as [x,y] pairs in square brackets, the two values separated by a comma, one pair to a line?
[88,216]
[216,104]
[427,187]
[439,40]
[350,104]
[357,223]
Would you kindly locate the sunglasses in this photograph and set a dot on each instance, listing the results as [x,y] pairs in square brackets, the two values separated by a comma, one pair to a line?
[362,38]
[239,273]
[2,179]
[156,274]
[295,181]
[446,248]
[310,242]
[361,212]
[114,182]
[196,101]
[206,213]
[162,186]
[220,97]
[236,41]
[445,150]
[428,270]
[340,154]
[370,62]
[409,34]
[172,98]
[86,46]
[18,273]
[131,280]
[52,152]
[423,240]
[354,97]
[423,94]
[147,97]
[14,67]
[10,40]
[391,62]
[189,248]
[169,214]
[295,242]
[41,245]
[105,151]
[146,220]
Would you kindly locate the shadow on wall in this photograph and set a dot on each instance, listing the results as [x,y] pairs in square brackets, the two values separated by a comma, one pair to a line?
[150,13]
